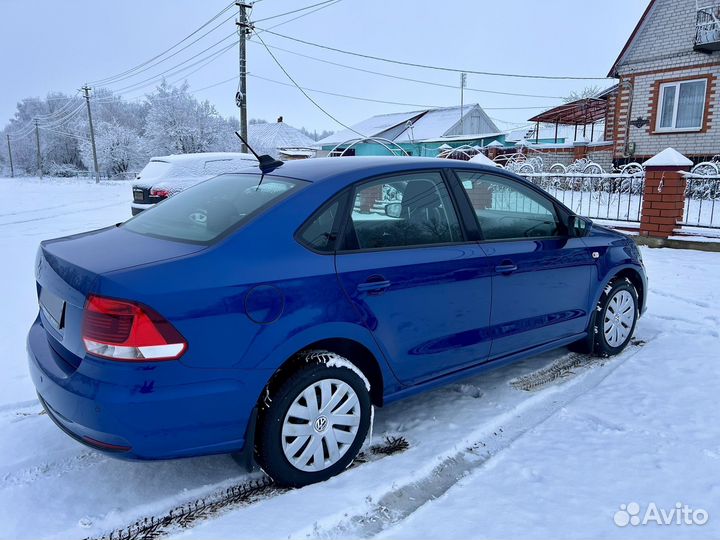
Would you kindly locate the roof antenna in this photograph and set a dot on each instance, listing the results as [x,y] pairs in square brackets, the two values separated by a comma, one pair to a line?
[267,163]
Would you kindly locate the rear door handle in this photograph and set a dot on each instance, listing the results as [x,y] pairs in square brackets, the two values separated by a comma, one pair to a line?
[374,286]
[506,268]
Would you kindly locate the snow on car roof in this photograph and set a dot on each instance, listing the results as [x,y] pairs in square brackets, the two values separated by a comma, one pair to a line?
[203,156]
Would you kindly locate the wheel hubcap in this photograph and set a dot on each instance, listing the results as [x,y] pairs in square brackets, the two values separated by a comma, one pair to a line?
[321,425]
[619,318]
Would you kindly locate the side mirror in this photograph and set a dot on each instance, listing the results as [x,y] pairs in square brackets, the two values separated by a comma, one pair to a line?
[393,210]
[579,226]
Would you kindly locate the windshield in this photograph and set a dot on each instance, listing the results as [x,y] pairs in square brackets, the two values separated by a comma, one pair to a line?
[207,211]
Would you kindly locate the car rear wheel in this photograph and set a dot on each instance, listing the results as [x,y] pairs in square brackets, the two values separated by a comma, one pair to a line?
[314,424]
[616,316]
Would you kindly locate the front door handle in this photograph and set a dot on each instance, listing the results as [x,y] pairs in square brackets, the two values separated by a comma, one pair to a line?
[374,285]
[506,267]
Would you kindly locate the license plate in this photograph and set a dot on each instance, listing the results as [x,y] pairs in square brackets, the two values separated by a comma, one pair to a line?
[138,195]
[53,307]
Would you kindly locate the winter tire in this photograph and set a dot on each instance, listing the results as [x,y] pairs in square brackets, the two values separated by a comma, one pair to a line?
[615,317]
[313,426]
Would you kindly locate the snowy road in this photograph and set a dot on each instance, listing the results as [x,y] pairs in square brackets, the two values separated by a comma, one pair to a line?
[485,459]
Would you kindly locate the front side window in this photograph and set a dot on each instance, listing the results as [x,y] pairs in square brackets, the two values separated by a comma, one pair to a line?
[210,209]
[507,210]
[402,211]
[682,105]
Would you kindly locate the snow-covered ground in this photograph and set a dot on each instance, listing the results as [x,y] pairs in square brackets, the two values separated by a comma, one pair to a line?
[486,459]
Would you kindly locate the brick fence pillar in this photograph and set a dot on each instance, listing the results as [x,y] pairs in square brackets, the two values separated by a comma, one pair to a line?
[664,193]
[580,150]
[368,197]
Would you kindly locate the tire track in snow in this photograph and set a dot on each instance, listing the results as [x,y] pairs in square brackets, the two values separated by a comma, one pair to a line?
[53,216]
[690,301]
[29,475]
[563,368]
[187,514]
[398,504]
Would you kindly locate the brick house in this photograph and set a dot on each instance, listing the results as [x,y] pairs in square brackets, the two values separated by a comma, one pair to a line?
[667,92]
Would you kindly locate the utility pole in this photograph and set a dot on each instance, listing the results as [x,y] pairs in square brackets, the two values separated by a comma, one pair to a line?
[463,84]
[86,89]
[12,169]
[241,95]
[37,141]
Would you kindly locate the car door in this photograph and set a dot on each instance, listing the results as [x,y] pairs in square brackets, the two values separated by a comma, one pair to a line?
[541,276]
[420,286]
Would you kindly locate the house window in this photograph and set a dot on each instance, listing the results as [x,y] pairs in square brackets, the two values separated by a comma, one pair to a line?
[682,105]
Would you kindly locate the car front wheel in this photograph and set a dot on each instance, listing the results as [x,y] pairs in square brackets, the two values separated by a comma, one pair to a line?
[617,314]
[313,426]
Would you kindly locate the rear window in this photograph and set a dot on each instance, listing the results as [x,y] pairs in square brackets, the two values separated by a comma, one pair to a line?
[154,169]
[207,211]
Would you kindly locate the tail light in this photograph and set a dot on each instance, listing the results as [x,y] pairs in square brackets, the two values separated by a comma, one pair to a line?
[159,192]
[128,331]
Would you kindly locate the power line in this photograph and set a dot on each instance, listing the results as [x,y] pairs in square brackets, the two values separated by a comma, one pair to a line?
[111,78]
[78,137]
[295,11]
[409,79]
[23,132]
[345,95]
[146,68]
[427,66]
[178,67]
[388,102]
[309,98]
[305,14]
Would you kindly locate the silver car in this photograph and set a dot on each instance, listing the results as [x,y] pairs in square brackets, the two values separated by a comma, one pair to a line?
[164,176]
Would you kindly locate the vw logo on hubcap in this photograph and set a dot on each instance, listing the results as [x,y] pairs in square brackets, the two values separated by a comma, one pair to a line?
[320,424]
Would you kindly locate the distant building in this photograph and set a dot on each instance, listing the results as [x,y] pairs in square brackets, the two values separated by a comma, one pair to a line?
[281,141]
[419,133]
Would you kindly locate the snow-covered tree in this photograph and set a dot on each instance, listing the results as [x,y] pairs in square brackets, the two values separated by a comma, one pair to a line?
[177,123]
[119,149]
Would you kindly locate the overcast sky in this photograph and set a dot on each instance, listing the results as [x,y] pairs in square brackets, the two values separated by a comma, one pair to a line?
[59,45]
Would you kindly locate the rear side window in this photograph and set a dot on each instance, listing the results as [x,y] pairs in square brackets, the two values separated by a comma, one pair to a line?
[207,211]
[402,211]
[317,234]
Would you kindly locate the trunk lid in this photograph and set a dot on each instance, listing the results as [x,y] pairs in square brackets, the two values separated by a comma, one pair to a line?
[68,269]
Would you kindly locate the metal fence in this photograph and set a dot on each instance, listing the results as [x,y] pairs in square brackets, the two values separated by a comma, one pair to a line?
[702,201]
[615,197]
[584,186]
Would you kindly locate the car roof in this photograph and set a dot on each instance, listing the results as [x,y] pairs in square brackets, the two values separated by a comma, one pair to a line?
[353,168]
[204,156]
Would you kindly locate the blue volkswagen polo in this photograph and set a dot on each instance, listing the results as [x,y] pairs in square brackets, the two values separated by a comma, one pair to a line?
[268,312]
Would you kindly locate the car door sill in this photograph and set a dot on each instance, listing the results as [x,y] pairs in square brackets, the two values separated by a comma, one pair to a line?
[486,365]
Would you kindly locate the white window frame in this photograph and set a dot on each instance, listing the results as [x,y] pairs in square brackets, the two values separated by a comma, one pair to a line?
[661,99]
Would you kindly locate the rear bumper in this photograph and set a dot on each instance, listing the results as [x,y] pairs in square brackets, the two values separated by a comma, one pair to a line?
[136,208]
[161,410]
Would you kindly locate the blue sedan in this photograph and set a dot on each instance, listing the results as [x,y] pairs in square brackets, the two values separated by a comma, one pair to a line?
[267,313]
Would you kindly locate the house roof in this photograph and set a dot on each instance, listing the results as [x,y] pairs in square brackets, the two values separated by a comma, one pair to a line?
[270,138]
[455,138]
[613,69]
[580,112]
[371,127]
[428,124]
